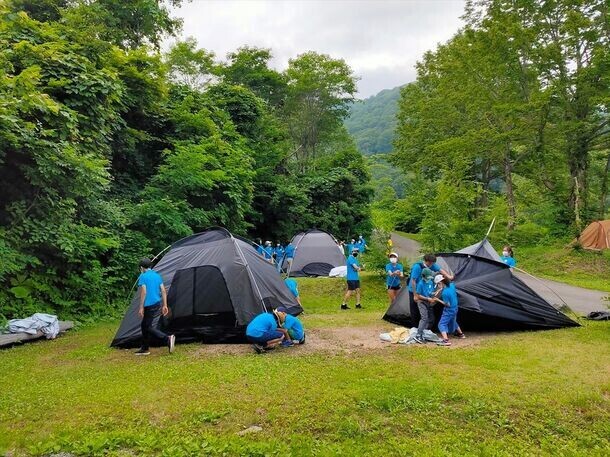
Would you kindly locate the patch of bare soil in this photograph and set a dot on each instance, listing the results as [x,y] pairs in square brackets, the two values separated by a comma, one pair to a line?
[345,340]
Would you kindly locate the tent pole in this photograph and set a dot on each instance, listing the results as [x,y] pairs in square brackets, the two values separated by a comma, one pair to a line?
[243,258]
[490,227]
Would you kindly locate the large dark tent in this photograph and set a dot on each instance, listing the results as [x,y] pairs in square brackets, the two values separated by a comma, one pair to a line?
[490,297]
[316,252]
[216,284]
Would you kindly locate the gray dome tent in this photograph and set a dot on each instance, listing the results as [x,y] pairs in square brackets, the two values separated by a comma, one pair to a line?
[316,252]
[216,284]
[490,296]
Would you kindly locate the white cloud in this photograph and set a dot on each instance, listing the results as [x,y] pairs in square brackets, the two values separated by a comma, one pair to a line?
[380,40]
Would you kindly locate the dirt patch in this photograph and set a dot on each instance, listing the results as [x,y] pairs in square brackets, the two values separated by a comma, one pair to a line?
[344,340]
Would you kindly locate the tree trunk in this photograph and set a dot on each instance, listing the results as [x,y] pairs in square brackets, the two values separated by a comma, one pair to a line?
[604,190]
[510,193]
[579,163]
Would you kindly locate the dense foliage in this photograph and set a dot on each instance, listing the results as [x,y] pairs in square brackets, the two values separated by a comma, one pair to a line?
[509,119]
[372,121]
[110,150]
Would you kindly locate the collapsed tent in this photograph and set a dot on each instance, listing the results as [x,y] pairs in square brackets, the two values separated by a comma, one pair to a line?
[316,253]
[216,284]
[596,236]
[490,297]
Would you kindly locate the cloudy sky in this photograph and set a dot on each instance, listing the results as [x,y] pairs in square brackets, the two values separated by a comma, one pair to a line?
[381,40]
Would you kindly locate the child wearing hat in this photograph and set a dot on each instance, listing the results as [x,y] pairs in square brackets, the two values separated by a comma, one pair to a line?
[293,326]
[394,271]
[424,297]
[449,299]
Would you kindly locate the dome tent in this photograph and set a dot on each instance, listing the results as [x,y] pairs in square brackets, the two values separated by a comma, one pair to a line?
[316,252]
[216,284]
[596,236]
[490,296]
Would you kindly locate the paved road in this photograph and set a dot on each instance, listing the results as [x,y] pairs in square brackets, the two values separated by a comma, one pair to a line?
[581,301]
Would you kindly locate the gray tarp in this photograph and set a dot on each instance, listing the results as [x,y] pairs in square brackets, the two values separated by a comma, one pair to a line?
[45,323]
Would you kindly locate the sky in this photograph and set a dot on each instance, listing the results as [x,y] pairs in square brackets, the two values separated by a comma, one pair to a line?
[380,40]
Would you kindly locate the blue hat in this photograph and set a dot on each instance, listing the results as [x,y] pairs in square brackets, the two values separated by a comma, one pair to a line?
[282,309]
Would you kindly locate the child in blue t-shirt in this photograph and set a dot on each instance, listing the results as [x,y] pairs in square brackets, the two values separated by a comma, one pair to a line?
[394,271]
[449,299]
[424,297]
[353,279]
[293,326]
[508,257]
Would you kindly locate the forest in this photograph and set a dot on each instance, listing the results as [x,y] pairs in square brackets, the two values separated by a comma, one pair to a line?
[508,120]
[111,150]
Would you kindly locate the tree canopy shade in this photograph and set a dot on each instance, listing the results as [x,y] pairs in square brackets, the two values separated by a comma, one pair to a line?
[110,151]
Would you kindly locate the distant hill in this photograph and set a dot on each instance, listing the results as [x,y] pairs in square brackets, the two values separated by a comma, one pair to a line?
[372,121]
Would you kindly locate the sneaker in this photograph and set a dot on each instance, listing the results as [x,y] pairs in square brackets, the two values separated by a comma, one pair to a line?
[461,336]
[142,352]
[258,348]
[444,343]
[358,306]
[286,344]
[344,306]
[171,343]
[419,339]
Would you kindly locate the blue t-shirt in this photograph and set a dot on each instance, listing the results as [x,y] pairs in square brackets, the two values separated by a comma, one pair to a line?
[508,260]
[425,288]
[449,296]
[261,324]
[279,252]
[352,275]
[268,252]
[294,327]
[416,270]
[261,250]
[289,251]
[292,285]
[393,281]
[152,280]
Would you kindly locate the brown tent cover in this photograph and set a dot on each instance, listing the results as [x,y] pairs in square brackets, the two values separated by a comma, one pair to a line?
[596,236]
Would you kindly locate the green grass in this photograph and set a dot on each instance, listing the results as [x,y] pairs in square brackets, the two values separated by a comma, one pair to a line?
[527,393]
[588,269]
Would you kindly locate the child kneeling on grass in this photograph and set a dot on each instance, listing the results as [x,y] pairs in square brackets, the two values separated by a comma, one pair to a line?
[264,331]
[448,323]
[294,327]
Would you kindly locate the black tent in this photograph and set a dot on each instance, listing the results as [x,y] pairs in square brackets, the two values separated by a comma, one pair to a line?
[216,284]
[490,298]
[316,252]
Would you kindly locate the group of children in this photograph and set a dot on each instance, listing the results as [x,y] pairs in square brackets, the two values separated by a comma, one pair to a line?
[276,254]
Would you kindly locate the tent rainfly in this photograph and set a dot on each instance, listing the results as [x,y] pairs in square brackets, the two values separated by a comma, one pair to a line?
[316,253]
[490,296]
[217,283]
[596,236]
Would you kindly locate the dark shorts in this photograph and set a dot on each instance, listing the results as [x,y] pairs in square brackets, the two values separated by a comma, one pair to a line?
[262,340]
[353,284]
[393,287]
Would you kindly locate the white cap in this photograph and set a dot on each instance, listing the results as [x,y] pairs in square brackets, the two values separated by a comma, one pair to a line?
[438,278]
[393,254]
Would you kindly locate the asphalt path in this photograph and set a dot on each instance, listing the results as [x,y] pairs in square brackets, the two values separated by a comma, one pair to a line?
[581,301]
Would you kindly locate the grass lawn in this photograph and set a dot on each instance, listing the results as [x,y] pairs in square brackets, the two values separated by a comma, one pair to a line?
[527,393]
[578,267]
